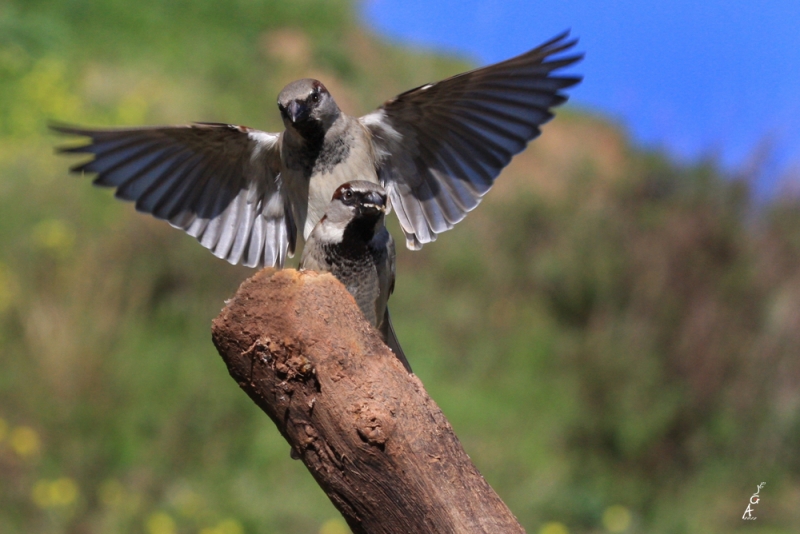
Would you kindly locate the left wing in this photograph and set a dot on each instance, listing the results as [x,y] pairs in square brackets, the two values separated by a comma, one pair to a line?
[218,182]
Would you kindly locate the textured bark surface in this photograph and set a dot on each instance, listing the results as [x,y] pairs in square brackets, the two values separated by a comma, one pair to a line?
[368,432]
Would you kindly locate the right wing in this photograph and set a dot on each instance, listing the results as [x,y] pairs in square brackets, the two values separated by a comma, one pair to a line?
[441,146]
[218,182]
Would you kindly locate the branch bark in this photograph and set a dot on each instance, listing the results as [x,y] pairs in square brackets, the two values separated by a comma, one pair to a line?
[367,431]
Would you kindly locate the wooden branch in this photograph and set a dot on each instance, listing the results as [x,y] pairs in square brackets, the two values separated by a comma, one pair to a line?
[368,432]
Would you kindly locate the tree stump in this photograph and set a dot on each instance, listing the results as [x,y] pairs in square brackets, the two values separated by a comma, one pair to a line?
[367,430]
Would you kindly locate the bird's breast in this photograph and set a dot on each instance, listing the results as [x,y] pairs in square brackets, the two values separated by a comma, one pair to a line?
[333,153]
[357,270]
[358,164]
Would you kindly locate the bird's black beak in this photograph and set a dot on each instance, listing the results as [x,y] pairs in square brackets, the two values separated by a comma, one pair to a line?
[374,201]
[297,111]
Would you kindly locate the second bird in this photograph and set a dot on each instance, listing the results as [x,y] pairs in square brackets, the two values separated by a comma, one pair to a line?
[351,242]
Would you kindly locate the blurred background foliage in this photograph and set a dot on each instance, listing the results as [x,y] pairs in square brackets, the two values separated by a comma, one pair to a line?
[613,336]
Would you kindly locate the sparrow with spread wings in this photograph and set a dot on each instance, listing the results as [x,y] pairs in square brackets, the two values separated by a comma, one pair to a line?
[244,193]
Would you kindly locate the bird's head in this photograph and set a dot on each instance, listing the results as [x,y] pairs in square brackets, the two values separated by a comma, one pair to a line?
[307,107]
[361,198]
[356,212]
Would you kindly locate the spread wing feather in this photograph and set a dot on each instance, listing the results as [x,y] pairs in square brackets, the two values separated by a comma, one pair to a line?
[441,146]
[218,182]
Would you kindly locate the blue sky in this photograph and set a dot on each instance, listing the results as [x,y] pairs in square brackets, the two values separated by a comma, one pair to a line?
[695,78]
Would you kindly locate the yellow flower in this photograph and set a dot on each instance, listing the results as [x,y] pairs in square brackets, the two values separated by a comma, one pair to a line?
[25,441]
[334,526]
[617,518]
[54,235]
[58,493]
[64,491]
[228,526]
[554,527]
[160,523]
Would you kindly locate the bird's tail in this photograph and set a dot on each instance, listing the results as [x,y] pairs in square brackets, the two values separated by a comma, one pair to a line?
[387,331]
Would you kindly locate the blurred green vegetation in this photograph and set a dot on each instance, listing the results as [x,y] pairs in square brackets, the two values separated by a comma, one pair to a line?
[619,355]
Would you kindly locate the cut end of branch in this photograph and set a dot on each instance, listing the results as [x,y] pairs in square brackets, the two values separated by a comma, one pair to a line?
[368,432]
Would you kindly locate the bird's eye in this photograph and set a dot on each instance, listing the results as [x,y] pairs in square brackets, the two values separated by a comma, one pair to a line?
[315,97]
[348,194]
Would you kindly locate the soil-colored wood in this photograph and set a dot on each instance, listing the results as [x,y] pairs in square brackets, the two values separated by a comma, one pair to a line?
[368,432]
